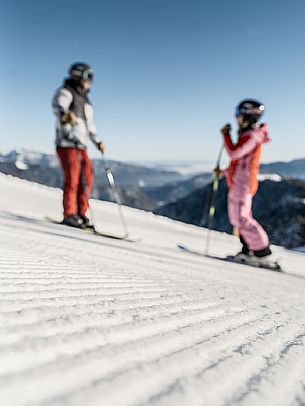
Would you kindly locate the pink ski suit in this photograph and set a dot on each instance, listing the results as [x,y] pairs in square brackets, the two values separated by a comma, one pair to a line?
[243,184]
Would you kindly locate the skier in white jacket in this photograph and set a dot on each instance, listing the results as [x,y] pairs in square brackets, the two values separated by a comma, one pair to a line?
[74,128]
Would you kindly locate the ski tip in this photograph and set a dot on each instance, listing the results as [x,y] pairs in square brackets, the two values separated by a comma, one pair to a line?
[182,247]
[278,267]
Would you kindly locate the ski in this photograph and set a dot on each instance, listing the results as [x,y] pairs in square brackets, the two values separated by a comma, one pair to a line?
[92,230]
[263,264]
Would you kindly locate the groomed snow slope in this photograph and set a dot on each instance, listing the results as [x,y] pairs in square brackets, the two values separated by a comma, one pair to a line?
[87,321]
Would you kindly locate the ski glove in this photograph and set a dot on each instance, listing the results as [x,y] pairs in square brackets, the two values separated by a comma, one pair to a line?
[68,118]
[218,172]
[226,129]
[101,147]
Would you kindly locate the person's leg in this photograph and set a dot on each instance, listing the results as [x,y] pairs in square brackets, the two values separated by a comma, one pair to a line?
[245,249]
[86,182]
[252,233]
[71,170]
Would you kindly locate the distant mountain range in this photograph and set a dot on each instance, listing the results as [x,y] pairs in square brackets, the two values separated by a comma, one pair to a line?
[126,174]
[293,169]
[186,168]
[173,191]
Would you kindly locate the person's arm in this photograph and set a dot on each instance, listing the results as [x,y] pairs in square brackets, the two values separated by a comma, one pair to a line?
[62,101]
[61,104]
[93,131]
[244,146]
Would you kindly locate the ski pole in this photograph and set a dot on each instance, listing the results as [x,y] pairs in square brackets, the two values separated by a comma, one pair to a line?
[212,208]
[115,193]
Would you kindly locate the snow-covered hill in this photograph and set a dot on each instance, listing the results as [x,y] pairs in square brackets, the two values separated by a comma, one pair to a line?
[86,320]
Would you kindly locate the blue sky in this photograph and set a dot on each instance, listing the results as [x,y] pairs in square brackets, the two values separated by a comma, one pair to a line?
[168,73]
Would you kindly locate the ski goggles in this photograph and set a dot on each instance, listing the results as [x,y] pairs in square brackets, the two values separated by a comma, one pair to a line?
[88,74]
[254,110]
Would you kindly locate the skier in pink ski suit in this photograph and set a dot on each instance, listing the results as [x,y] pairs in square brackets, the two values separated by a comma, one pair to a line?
[242,176]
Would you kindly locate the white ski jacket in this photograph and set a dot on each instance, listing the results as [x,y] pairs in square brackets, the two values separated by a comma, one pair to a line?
[69,98]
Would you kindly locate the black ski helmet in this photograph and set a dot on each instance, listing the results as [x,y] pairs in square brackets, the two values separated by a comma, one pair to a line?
[81,70]
[251,110]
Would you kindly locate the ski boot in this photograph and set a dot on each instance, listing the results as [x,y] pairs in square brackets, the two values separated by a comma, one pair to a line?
[258,259]
[73,221]
[86,221]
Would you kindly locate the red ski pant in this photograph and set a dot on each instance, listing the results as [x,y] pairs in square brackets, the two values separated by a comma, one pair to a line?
[78,180]
[240,215]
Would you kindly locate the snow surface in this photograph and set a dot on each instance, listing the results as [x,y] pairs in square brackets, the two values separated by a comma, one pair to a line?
[86,320]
